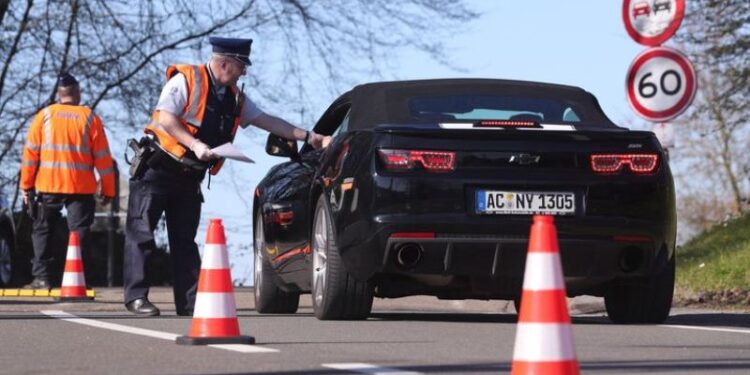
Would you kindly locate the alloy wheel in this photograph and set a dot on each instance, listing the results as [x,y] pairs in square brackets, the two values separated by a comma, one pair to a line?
[258,262]
[320,255]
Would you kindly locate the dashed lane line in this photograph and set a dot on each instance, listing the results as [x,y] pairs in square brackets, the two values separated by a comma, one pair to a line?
[731,330]
[366,368]
[62,315]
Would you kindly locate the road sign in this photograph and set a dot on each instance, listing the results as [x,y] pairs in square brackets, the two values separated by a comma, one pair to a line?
[661,84]
[652,22]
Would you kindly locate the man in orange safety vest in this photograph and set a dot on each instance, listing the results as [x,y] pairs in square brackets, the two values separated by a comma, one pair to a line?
[65,143]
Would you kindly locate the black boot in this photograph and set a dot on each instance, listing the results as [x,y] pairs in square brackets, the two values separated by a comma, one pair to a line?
[38,283]
[142,307]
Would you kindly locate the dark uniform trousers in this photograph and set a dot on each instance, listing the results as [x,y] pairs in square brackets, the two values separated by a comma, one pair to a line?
[80,209]
[179,197]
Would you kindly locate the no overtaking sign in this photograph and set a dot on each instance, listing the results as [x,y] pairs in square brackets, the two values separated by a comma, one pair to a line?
[652,22]
[660,84]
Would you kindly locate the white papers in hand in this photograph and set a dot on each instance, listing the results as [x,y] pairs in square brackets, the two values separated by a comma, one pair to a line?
[227,150]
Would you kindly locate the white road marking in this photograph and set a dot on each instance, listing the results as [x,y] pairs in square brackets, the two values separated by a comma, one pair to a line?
[62,315]
[366,368]
[745,331]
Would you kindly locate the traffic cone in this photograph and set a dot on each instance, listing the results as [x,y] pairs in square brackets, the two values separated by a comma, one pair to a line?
[544,337]
[215,315]
[73,282]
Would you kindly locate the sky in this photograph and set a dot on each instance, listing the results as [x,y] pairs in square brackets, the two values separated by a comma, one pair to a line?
[576,42]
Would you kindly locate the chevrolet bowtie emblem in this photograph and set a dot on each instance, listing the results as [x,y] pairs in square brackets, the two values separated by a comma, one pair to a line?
[524,159]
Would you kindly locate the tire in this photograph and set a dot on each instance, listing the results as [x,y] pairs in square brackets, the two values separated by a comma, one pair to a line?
[7,254]
[269,298]
[644,303]
[336,294]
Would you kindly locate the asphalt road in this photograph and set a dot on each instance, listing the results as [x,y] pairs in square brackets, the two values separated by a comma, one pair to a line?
[404,336]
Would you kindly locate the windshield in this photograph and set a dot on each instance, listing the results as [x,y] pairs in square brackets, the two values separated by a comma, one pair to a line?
[491,107]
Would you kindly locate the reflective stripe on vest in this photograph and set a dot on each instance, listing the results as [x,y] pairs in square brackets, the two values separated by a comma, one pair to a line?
[196,95]
[64,165]
[101,154]
[106,171]
[33,146]
[47,127]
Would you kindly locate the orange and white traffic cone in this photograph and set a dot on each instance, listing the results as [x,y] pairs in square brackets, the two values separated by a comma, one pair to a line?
[73,286]
[544,337]
[215,314]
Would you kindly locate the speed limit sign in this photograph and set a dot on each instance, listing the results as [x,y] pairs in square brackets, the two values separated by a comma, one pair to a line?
[652,22]
[661,84]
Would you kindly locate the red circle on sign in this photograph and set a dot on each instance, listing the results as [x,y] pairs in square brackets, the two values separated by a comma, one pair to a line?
[682,103]
[656,40]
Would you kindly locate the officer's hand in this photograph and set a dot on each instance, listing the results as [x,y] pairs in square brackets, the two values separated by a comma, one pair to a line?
[202,151]
[26,197]
[318,141]
[327,140]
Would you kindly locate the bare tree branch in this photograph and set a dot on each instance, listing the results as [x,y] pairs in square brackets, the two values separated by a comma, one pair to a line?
[14,48]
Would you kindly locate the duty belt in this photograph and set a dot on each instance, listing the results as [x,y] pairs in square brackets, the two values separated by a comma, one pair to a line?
[162,161]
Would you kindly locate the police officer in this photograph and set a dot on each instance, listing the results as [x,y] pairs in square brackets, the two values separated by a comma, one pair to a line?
[66,141]
[200,107]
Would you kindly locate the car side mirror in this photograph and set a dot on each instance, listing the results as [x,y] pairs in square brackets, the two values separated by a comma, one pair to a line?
[278,146]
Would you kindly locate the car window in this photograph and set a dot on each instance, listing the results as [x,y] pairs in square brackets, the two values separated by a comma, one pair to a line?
[333,122]
[344,127]
[570,115]
[333,119]
[493,107]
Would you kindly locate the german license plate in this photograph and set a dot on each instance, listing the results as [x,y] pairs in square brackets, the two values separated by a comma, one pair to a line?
[525,202]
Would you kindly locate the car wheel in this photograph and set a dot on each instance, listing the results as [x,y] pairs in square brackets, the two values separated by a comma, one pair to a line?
[6,256]
[336,294]
[647,302]
[269,298]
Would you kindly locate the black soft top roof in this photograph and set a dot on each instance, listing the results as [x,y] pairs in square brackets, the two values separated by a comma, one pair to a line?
[387,102]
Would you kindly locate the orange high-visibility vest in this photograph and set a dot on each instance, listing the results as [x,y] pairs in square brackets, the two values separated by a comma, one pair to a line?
[198,82]
[64,145]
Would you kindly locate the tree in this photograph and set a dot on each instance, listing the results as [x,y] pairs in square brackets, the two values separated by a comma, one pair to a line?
[713,163]
[119,49]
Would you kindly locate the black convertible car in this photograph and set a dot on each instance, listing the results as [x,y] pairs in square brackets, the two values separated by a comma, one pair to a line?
[428,188]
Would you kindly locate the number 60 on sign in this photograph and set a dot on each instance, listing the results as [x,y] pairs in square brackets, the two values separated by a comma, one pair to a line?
[661,84]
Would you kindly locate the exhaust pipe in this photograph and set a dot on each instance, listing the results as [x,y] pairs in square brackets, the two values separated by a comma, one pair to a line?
[408,255]
[631,258]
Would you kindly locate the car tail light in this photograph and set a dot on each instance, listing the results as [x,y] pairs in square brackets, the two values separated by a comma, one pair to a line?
[505,124]
[612,163]
[432,161]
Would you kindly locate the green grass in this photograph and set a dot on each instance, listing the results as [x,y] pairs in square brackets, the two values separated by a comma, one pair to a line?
[718,259]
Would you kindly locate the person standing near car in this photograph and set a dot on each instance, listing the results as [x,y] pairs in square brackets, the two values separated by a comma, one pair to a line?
[65,143]
[200,107]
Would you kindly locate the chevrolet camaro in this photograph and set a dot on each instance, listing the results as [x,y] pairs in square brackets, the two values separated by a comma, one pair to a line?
[428,188]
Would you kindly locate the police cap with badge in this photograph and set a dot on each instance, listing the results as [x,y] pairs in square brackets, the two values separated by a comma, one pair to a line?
[232,47]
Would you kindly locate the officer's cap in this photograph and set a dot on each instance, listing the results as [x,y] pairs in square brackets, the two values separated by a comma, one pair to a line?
[66,80]
[232,47]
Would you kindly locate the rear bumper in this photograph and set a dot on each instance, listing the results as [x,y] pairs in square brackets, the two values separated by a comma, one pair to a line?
[484,257]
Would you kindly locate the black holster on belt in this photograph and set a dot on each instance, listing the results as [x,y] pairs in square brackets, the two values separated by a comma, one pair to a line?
[164,161]
[143,152]
[33,206]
